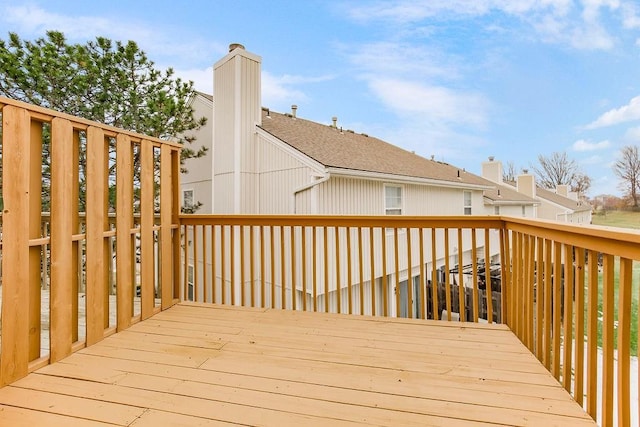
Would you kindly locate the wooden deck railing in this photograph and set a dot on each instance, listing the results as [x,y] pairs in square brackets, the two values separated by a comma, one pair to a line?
[580,327]
[569,293]
[411,267]
[75,165]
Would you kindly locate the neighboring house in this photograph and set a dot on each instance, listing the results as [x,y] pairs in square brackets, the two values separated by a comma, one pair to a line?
[531,200]
[196,184]
[559,205]
[264,162]
[503,199]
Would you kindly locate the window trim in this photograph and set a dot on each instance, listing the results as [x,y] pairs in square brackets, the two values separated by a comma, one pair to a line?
[384,194]
[193,194]
[464,202]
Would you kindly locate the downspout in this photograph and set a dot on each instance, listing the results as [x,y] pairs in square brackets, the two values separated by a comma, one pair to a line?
[323,178]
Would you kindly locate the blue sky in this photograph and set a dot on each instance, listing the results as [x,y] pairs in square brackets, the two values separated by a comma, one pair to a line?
[457,79]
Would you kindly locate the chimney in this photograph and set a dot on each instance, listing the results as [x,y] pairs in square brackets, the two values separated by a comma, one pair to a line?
[294,108]
[562,190]
[526,184]
[236,84]
[492,170]
[334,119]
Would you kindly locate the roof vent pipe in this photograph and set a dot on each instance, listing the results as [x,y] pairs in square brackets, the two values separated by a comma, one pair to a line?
[294,108]
[334,119]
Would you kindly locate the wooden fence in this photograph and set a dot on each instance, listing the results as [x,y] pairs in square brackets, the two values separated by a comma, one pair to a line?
[75,165]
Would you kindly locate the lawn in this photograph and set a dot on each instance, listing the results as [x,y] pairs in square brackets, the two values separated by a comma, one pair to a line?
[622,219]
[634,306]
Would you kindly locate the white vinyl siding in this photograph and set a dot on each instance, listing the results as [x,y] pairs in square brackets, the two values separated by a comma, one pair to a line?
[353,196]
[279,175]
[349,196]
[392,200]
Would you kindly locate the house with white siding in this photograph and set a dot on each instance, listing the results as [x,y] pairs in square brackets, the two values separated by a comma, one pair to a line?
[558,204]
[265,162]
[503,199]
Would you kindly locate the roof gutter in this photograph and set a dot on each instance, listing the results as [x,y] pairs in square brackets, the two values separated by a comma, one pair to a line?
[319,180]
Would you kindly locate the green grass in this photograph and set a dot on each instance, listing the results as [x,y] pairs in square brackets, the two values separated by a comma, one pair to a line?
[623,219]
[634,306]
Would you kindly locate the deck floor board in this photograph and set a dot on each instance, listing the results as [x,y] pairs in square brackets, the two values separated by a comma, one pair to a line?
[198,365]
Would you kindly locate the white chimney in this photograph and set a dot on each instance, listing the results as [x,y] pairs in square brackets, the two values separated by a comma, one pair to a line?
[526,184]
[237,111]
[492,170]
[562,190]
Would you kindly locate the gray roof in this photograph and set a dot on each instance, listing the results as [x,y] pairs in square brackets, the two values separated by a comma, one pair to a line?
[565,202]
[505,194]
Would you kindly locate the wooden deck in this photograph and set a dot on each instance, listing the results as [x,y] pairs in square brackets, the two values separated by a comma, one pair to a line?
[196,365]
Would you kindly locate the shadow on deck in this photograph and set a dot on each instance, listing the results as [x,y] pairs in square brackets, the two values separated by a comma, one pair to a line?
[197,364]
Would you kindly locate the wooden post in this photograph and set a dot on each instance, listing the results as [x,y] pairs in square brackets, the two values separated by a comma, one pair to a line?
[174,178]
[147,281]
[36,260]
[61,304]
[166,216]
[96,279]
[14,357]
[124,203]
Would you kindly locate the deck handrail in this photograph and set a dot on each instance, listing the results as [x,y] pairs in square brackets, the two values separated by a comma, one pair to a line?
[254,255]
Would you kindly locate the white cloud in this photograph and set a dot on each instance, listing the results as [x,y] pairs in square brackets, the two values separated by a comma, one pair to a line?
[202,78]
[417,61]
[577,24]
[279,93]
[431,103]
[630,17]
[626,113]
[582,145]
[33,21]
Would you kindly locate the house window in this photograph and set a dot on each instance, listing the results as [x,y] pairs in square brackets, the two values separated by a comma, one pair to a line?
[187,198]
[524,211]
[467,202]
[190,274]
[496,210]
[392,200]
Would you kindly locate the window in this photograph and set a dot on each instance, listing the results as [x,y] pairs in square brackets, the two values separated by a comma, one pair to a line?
[496,210]
[187,198]
[190,274]
[467,202]
[524,211]
[392,200]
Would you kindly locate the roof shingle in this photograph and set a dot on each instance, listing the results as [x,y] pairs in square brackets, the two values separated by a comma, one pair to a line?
[345,149]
